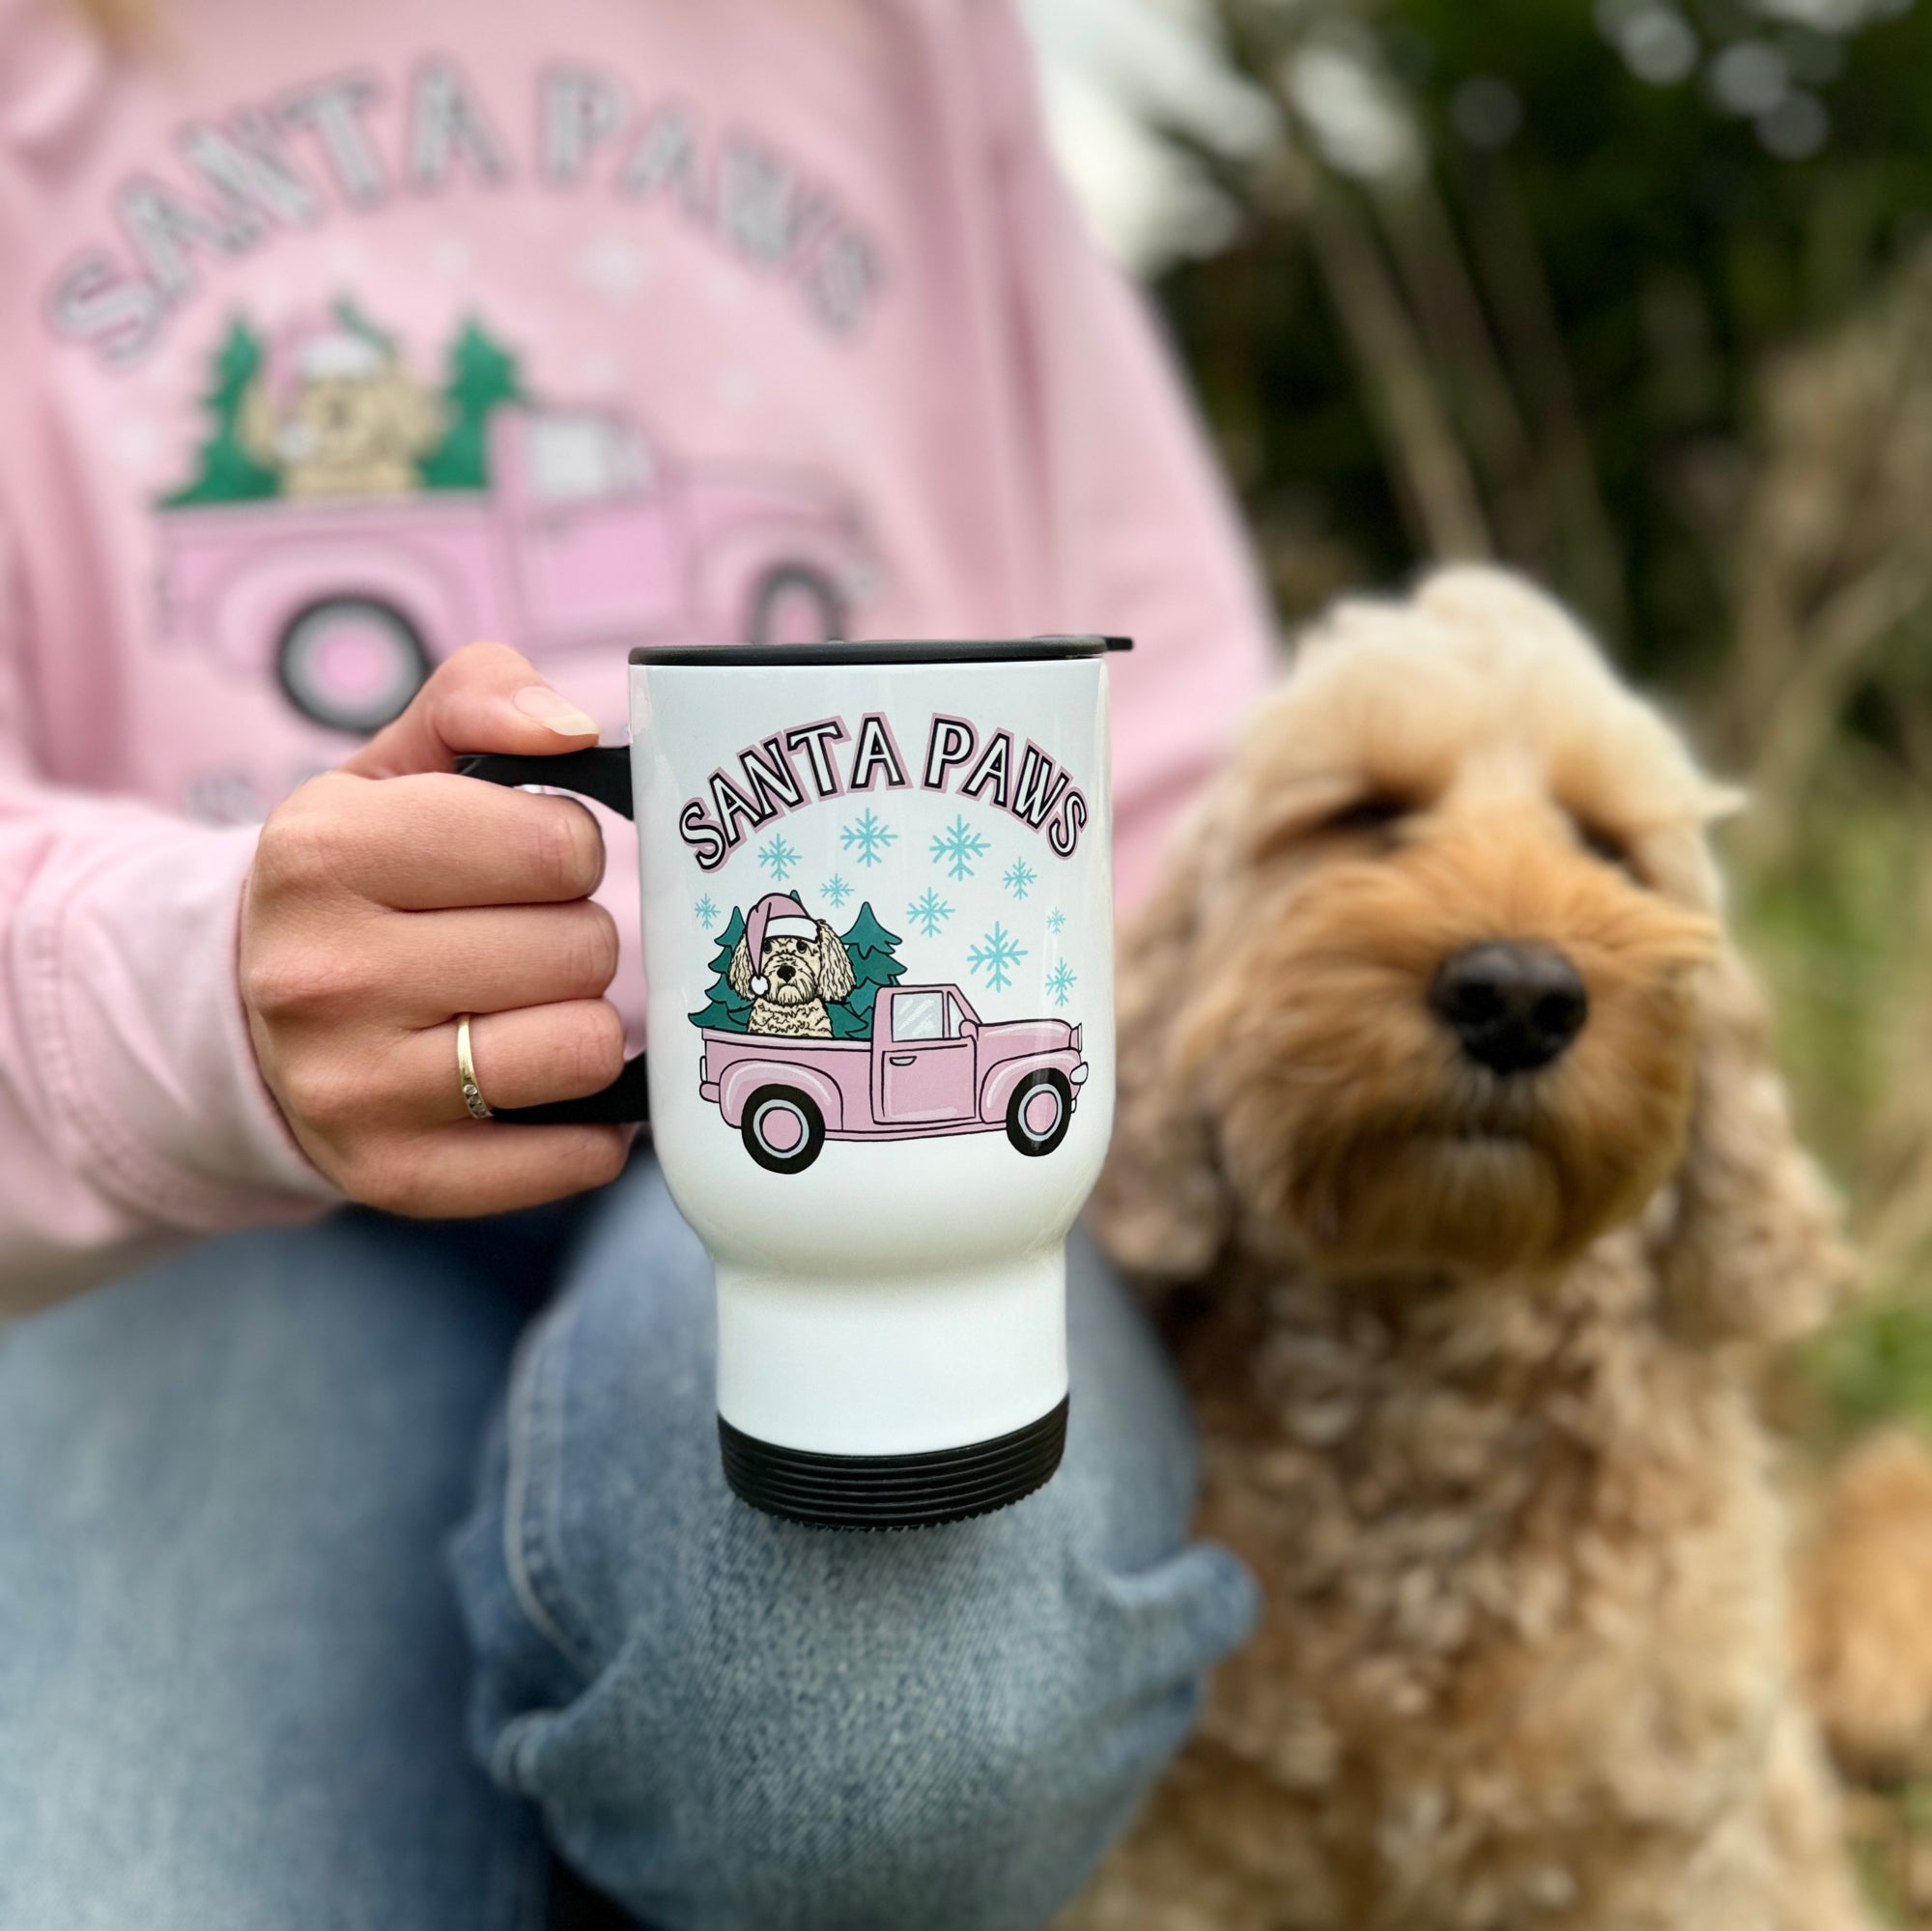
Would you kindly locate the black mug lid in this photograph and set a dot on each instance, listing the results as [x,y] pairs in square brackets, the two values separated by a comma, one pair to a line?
[881,650]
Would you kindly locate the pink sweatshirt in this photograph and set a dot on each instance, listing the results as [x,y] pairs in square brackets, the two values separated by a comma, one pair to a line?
[309,319]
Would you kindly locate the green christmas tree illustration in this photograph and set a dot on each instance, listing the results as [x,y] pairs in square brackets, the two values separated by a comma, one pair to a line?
[225,472]
[871,949]
[725,1010]
[356,323]
[482,377]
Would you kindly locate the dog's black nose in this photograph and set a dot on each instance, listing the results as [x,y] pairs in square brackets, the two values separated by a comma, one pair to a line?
[787,971]
[1513,1006]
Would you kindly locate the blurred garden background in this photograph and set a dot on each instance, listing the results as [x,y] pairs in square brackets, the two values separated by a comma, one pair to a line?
[1638,297]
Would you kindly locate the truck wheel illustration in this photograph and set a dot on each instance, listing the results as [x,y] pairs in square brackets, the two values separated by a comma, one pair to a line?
[783,1130]
[794,604]
[350,662]
[1037,1113]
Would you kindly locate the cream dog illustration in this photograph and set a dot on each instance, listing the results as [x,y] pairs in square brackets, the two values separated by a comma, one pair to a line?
[789,965]
[337,414]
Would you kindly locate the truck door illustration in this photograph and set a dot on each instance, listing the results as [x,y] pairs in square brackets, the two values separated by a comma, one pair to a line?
[929,1067]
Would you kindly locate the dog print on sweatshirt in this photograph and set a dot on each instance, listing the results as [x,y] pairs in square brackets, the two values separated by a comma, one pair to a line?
[351,520]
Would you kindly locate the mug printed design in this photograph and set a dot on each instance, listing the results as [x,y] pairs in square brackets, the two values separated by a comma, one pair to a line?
[810,1035]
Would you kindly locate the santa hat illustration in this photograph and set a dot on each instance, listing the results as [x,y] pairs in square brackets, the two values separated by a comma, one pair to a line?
[776,916]
[315,347]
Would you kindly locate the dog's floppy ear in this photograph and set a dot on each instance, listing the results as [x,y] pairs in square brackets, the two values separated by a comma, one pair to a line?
[257,428]
[1160,1208]
[835,966]
[738,977]
[1751,1248]
[413,411]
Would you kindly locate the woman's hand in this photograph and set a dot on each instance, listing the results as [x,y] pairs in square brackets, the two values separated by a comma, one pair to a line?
[389,895]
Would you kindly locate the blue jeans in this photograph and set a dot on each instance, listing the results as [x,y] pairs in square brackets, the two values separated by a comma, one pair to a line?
[233,1679]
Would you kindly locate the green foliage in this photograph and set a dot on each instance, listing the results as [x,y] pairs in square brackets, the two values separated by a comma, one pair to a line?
[1670,248]
[725,1010]
[1875,1366]
[225,472]
[482,377]
[871,949]
[1835,930]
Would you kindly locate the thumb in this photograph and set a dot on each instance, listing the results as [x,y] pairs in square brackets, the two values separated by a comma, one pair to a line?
[486,697]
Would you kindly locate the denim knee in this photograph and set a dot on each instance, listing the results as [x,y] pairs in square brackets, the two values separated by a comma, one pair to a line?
[733,1722]
[232,1682]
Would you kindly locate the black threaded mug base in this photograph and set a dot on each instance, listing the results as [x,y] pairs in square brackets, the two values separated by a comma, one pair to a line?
[893,1491]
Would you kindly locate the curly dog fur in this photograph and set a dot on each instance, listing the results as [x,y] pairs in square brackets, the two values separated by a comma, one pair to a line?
[1471,1348]
[1864,1590]
[801,975]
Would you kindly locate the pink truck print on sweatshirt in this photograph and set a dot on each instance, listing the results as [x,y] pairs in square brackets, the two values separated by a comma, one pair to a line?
[931,1067]
[351,525]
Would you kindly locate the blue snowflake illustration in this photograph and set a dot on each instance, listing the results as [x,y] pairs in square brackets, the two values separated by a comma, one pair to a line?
[929,913]
[1060,982]
[836,891]
[957,846]
[996,956]
[779,858]
[1056,921]
[704,912]
[1019,877]
[868,836]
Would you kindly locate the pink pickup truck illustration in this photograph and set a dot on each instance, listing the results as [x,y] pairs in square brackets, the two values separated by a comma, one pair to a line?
[588,533]
[932,1067]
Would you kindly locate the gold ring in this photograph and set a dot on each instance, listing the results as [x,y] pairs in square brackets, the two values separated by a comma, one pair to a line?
[466,1073]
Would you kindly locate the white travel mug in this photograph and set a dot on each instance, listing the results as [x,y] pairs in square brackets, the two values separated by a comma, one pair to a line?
[878,941]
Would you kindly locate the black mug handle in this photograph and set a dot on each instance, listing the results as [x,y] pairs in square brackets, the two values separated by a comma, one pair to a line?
[604,774]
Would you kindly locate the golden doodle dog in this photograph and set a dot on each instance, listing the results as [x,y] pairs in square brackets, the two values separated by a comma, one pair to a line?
[789,965]
[336,413]
[1448,1121]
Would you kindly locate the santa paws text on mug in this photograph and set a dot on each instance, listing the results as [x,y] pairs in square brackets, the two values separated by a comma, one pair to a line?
[878,941]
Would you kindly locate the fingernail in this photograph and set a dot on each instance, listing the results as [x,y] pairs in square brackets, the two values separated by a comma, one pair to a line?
[554,711]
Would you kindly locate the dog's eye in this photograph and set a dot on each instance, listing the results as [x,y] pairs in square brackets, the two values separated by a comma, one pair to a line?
[1602,844]
[1376,813]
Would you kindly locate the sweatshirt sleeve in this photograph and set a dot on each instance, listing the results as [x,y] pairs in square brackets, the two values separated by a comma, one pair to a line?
[1143,538]
[132,1114]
